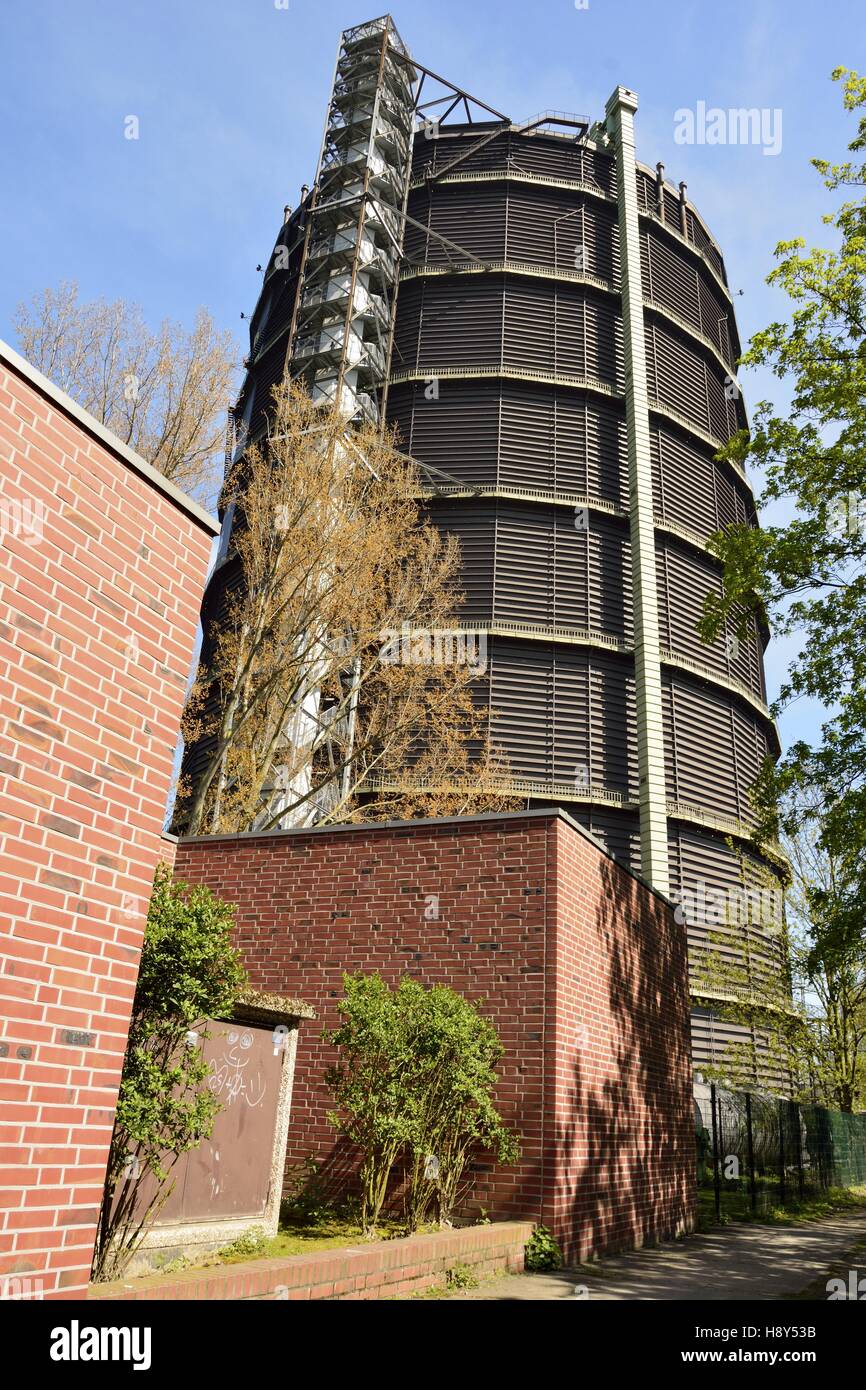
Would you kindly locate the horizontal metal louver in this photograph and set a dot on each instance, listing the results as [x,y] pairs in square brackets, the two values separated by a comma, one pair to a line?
[682,376]
[693,490]
[431,153]
[646,191]
[612,721]
[707,878]
[567,231]
[562,714]
[699,236]
[734,503]
[716,319]
[474,527]
[507,321]
[520,679]
[265,375]
[599,169]
[713,747]
[699,746]
[559,440]
[516,435]
[566,330]
[456,432]
[455,321]
[684,285]
[533,565]
[619,832]
[685,578]
[542,155]
[752,747]
[669,278]
[471,216]
[676,375]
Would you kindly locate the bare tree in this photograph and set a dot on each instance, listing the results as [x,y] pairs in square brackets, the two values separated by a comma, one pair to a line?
[164,393]
[337,680]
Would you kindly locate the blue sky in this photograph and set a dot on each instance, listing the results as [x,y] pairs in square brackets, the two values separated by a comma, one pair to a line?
[230,96]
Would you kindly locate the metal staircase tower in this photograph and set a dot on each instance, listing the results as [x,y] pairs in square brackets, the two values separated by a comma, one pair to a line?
[345,314]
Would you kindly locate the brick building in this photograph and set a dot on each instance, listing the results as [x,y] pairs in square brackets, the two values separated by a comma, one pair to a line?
[102,565]
[582,968]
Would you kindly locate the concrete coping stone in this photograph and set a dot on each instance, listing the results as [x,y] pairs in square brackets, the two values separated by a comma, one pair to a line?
[257,1006]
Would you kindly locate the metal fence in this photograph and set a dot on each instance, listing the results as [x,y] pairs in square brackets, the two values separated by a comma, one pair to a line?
[756,1153]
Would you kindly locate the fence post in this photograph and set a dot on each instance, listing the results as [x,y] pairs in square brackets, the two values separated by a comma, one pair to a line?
[716,1178]
[753,1186]
[782,1189]
[800,1182]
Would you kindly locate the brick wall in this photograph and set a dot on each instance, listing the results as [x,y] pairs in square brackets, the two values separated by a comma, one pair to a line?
[581,967]
[101,572]
[622,1166]
[381,1269]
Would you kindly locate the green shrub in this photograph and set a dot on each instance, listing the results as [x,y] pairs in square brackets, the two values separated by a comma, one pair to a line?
[542,1251]
[188,972]
[461,1277]
[414,1080]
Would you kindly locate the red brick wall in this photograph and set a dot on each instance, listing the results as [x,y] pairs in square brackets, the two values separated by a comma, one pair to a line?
[381,1269]
[100,582]
[167,850]
[529,914]
[622,1167]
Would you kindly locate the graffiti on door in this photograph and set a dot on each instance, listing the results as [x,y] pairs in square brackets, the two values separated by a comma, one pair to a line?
[237,1076]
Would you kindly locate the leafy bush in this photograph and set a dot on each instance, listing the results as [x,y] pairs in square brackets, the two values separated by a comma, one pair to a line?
[542,1251]
[188,972]
[252,1242]
[414,1080]
[461,1277]
[456,1052]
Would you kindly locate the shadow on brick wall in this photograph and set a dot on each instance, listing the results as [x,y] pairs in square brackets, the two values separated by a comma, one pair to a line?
[625,1148]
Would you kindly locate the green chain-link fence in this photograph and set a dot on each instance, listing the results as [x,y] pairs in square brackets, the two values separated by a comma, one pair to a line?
[757,1153]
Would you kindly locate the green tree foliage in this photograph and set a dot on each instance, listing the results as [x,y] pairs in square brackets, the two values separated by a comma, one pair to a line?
[415,1080]
[189,972]
[828,965]
[805,1022]
[808,573]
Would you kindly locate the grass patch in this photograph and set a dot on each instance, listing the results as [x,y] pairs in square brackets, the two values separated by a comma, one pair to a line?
[303,1235]
[299,1233]
[736,1206]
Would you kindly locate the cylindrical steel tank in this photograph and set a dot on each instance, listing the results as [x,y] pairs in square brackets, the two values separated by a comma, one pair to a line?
[508,383]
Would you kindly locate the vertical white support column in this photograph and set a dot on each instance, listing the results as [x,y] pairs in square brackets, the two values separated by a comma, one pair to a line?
[620,110]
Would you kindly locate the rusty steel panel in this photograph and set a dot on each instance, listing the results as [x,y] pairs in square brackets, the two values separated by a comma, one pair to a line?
[229,1174]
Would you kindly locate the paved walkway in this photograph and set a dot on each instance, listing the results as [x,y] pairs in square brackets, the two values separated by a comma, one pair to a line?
[733,1262]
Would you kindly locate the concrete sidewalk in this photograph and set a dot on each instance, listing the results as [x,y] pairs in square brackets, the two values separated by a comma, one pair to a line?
[734,1262]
